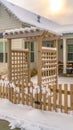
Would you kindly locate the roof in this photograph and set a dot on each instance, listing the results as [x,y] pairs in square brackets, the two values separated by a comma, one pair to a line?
[33,19]
[28,17]
[65,29]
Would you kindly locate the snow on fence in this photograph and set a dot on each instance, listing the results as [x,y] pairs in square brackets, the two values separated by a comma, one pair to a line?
[60,99]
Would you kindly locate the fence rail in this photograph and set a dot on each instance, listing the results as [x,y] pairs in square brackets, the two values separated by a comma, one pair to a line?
[60,99]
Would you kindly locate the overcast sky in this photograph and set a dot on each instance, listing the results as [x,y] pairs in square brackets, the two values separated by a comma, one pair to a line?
[42,7]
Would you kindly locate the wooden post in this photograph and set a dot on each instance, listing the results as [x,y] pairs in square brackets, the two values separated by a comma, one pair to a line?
[64,56]
[56,87]
[7,88]
[3,51]
[44,101]
[49,103]
[71,96]
[29,49]
[9,66]
[9,60]
[3,88]
[56,46]
[65,99]
[54,98]
[39,60]
[60,96]
[39,42]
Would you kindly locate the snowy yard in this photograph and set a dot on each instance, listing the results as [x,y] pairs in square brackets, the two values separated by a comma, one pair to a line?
[65,80]
[28,118]
[61,80]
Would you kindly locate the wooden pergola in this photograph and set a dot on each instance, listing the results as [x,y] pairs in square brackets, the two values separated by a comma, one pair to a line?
[31,34]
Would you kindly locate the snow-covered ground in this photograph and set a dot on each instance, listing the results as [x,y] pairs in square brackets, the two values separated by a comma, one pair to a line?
[65,80]
[28,118]
[61,80]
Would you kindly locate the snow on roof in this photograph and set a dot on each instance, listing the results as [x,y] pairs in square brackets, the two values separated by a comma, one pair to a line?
[26,29]
[28,17]
[64,29]
[33,19]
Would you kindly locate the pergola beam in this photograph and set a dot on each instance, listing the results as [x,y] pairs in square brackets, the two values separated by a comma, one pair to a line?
[18,35]
[29,33]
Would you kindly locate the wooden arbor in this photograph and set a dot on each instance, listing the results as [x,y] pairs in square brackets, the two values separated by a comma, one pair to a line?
[19,60]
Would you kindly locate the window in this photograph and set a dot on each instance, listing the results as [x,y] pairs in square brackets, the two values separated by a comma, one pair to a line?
[3,54]
[6,57]
[47,43]
[1,51]
[25,45]
[1,57]
[6,52]
[32,50]
[70,52]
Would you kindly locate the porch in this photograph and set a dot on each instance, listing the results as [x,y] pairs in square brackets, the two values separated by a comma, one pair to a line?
[65,55]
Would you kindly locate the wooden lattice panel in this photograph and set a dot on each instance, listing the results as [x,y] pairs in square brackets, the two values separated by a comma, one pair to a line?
[19,66]
[49,66]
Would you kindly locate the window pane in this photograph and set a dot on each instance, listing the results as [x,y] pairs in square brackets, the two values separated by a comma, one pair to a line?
[1,57]
[70,48]
[32,46]
[70,56]
[25,45]
[50,44]
[70,52]
[31,51]
[6,57]
[32,56]
[47,43]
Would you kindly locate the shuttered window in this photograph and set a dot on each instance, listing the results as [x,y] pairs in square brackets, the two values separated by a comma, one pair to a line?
[1,51]
[6,52]
[25,45]
[70,52]
[32,52]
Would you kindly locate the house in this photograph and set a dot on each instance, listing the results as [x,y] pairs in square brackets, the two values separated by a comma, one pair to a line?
[15,17]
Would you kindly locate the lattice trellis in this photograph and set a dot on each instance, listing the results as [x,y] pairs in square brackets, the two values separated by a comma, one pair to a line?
[19,65]
[49,66]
